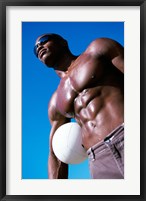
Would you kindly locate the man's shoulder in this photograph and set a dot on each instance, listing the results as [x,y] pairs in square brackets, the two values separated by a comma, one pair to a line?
[53,100]
[102,46]
[101,42]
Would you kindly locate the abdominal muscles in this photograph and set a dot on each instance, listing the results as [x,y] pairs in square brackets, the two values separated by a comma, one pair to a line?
[98,111]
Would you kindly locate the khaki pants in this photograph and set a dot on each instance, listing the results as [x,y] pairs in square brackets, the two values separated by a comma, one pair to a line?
[106,158]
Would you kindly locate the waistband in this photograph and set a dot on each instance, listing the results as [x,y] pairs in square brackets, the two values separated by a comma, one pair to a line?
[112,136]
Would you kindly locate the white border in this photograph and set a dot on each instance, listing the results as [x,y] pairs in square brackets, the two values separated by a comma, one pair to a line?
[131,184]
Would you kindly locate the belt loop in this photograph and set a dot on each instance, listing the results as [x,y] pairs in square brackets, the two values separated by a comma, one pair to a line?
[93,154]
[107,142]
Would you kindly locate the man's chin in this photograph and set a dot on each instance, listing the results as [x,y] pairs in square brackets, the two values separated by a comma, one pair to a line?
[48,63]
[48,60]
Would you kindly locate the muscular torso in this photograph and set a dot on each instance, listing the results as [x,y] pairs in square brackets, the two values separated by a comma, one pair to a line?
[92,93]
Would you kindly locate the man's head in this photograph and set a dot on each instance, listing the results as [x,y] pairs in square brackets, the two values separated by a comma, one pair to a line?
[49,48]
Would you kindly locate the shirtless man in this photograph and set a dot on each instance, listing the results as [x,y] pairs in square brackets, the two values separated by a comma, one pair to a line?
[91,91]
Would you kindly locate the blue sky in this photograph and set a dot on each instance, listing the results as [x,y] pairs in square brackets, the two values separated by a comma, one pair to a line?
[39,83]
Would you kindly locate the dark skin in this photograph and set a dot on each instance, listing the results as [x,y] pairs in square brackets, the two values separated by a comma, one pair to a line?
[91,90]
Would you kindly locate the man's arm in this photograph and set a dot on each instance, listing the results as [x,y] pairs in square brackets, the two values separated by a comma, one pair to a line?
[56,168]
[110,49]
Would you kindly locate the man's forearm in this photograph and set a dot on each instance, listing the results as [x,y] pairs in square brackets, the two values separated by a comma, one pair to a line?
[56,168]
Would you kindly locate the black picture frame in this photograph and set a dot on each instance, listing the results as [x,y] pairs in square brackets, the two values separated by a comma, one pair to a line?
[3,126]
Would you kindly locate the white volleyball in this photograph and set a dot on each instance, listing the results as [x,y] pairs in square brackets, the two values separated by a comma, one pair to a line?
[67,144]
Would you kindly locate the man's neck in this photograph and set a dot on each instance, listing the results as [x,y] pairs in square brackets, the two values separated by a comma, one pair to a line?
[62,68]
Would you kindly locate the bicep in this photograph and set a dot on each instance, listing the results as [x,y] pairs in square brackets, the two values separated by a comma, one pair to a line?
[118,62]
[54,115]
[56,119]
[115,52]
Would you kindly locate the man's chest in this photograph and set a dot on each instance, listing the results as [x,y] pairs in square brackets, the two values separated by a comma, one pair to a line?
[81,76]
